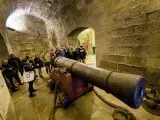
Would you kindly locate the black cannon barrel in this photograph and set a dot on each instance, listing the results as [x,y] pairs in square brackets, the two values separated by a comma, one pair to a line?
[129,88]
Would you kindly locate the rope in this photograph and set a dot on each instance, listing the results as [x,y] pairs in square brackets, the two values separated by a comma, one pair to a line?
[118,109]
[51,116]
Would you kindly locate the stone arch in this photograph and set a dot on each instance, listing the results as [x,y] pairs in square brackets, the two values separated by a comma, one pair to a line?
[27,34]
[27,8]
[82,36]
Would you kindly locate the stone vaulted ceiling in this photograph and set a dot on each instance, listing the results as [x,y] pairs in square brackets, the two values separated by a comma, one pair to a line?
[57,15]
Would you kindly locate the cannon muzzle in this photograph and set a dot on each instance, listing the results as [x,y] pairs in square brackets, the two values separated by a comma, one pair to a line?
[129,88]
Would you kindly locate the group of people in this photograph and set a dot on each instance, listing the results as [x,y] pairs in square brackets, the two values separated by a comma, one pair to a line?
[13,66]
[78,54]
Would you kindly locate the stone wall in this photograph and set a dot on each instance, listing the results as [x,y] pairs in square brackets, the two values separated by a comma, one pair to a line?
[127,35]
[7,108]
[87,37]
[3,49]
[127,31]
[33,39]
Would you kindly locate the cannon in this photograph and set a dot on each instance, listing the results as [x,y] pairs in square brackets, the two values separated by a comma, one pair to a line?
[80,78]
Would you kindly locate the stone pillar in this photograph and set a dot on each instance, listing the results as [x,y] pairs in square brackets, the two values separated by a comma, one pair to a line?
[7,108]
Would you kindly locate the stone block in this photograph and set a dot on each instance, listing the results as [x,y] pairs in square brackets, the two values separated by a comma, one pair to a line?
[153,16]
[114,58]
[140,51]
[120,50]
[108,65]
[136,61]
[139,29]
[129,13]
[138,20]
[147,28]
[131,69]
[153,62]
[127,50]
[135,40]
[152,39]
[123,31]
[152,75]
[150,6]
[118,24]
[154,51]
[152,27]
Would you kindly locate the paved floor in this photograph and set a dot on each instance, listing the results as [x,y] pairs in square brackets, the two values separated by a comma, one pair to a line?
[87,107]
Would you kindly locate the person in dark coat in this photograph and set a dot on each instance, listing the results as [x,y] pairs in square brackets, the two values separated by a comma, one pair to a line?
[71,53]
[8,77]
[57,52]
[75,55]
[29,67]
[68,54]
[82,54]
[16,65]
[39,65]
[77,50]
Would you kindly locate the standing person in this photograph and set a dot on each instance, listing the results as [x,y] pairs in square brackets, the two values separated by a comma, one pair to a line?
[52,52]
[71,52]
[16,64]
[27,56]
[46,57]
[33,63]
[7,74]
[57,52]
[68,54]
[78,53]
[52,62]
[75,55]
[62,52]
[39,65]
[28,67]
[82,54]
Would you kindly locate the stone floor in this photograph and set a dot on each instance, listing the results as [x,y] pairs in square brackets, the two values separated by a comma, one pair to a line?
[87,107]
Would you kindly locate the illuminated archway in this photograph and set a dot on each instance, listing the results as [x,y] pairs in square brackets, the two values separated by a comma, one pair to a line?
[85,37]
[27,35]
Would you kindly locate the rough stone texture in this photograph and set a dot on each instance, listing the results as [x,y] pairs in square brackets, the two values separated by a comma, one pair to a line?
[127,35]
[7,108]
[3,49]
[33,39]
[82,35]
[86,107]
[123,28]
[73,37]
[128,29]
